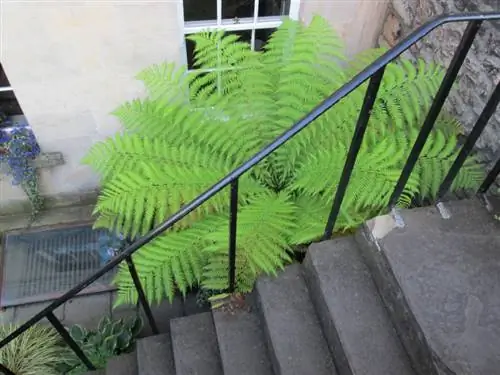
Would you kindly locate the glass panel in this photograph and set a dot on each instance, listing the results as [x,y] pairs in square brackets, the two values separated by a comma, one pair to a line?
[189,52]
[274,8]
[245,35]
[237,8]
[9,104]
[261,37]
[200,10]
[4,82]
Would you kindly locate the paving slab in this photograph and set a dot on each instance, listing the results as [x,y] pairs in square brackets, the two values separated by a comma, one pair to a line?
[442,287]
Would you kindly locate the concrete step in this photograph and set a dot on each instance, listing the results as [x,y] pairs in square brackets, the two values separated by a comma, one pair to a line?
[293,333]
[354,320]
[468,217]
[241,343]
[195,346]
[125,364]
[442,288]
[154,355]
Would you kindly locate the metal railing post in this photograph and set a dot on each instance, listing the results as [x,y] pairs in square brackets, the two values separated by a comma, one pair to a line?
[437,105]
[490,178]
[69,340]
[4,370]
[142,296]
[357,140]
[233,221]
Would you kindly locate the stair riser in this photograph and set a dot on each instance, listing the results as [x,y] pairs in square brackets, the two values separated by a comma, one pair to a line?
[402,317]
[267,336]
[292,331]
[327,324]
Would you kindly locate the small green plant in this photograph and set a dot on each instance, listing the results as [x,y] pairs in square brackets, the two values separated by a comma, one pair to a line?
[197,126]
[36,352]
[111,338]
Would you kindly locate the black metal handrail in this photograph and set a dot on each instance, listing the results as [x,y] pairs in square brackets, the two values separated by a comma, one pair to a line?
[374,72]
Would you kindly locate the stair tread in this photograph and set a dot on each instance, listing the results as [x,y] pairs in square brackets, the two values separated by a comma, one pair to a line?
[295,340]
[442,287]
[358,328]
[241,343]
[154,355]
[468,217]
[125,364]
[195,346]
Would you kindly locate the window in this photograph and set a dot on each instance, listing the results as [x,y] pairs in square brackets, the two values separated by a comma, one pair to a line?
[253,20]
[8,102]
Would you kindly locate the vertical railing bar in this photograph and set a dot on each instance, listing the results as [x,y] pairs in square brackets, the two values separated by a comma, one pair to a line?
[69,340]
[478,128]
[357,139]
[142,296]
[233,220]
[490,178]
[437,105]
[5,370]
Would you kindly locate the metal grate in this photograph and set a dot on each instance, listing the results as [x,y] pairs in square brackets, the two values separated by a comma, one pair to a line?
[42,265]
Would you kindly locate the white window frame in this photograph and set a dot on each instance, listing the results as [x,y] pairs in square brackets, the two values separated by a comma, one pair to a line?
[249,23]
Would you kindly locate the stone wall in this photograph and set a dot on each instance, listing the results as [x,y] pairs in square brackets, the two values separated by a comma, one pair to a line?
[481,72]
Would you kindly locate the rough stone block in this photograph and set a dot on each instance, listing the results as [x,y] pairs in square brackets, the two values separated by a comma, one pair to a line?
[125,364]
[293,332]
[195,347]
[442,289]
[87,310]
[24,312]
[154,356]
[354,320]
[241,343]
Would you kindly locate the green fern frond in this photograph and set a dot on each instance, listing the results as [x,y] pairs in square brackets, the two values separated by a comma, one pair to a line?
[165,83]
[128,152]
[171,263]
[156,119]
[139,199]
[264,225]
[195,127]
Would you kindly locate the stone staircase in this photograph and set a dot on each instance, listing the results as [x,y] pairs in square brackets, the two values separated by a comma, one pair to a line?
[419,300]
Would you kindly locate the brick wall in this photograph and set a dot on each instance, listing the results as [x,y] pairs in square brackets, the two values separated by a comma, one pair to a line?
[478,76]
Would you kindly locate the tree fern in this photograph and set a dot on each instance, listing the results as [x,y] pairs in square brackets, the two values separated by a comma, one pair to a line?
[195,127]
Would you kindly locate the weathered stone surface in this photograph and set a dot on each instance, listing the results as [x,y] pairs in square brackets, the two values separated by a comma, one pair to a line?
[154,355]
[293,332]
[358,329]
[442,289]
[125,364]
[480,73]
[241,343]
[195,347]
[87,310]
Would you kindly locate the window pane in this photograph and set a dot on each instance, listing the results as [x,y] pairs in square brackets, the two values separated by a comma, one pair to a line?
[200,10]
[9,104]
[245,35]
[261,37]
[237,8]
[190,52]
[4,82]
[274,8]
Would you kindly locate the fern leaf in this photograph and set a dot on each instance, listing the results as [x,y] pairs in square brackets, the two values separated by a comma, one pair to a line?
[262,247]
